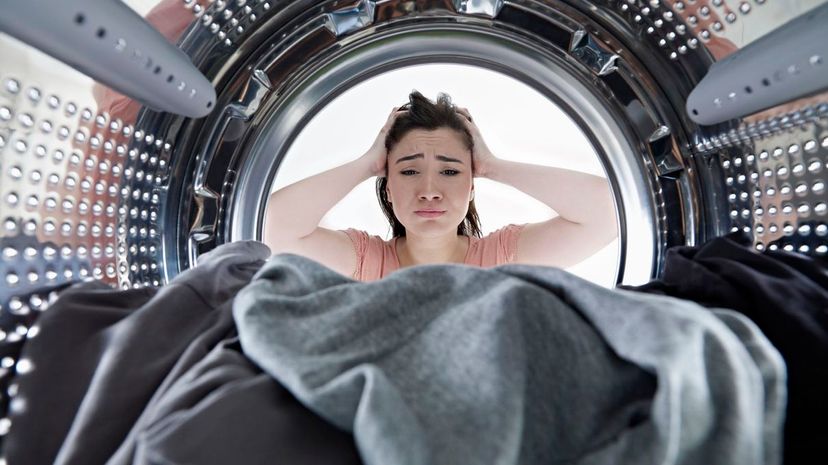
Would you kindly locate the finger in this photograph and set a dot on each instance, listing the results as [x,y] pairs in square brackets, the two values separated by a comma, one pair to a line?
[465,112]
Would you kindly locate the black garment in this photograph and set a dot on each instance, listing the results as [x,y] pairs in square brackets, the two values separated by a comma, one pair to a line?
[225,410]
[786,295]
[16,329]
[109,371]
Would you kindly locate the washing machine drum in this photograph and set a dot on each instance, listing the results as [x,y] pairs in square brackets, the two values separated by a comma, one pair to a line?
[98,185]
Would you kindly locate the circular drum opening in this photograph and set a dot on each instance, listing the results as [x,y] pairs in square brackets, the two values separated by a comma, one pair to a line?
[168,189]
[282,82]
[607,111]
[517,123]
[96,185]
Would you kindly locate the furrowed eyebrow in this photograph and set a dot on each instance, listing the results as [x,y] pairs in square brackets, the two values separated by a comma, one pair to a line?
[420,155]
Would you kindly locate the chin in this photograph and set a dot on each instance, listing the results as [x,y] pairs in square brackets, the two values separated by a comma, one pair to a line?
[431,227]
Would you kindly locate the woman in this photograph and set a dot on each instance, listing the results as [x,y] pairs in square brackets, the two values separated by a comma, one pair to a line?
[427,156]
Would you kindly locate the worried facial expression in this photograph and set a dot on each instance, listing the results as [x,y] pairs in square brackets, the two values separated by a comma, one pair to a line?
[430,180]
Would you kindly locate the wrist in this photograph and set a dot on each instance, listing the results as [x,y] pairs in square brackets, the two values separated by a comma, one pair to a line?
[367,166]
[488,168]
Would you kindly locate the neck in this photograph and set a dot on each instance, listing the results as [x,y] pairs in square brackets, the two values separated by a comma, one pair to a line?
[417,250]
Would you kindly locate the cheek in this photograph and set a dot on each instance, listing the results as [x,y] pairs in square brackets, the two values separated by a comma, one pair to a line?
[459,193]
[395,189]
[465,184]
[460,188]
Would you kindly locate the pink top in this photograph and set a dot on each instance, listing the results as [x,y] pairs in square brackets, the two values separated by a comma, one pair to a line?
[376,258]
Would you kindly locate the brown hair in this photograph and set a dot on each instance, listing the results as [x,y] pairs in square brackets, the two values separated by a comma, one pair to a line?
[424,114]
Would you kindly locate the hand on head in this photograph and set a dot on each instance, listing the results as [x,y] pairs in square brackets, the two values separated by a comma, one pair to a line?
[378,154]
[465,112]
[482,157]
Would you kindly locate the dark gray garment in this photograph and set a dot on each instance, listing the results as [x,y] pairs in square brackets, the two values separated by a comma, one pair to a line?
[106,361]
[225,410]
[75,332]
[450,364]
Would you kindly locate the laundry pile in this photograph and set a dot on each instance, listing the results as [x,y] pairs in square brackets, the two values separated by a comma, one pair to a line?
[786,295]
[252,359]
[156,376]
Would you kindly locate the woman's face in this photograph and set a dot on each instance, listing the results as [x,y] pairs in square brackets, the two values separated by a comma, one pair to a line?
[430,180]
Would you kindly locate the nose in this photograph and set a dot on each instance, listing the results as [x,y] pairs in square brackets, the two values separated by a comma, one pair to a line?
[429,190]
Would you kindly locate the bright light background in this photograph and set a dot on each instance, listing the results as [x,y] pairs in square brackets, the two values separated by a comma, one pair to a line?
[517,123]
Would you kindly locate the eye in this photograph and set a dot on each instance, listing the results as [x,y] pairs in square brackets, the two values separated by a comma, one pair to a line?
[408,172]
[451,172]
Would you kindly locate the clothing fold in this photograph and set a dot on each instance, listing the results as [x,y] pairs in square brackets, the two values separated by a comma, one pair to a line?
[786,295]
[514,364]
[153,376]
[253,359]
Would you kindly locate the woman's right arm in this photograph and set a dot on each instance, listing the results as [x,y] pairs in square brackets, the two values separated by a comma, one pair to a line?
[294,212]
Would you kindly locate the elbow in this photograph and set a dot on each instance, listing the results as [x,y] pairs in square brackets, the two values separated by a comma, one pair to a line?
[611,231]
[610,220]
[275,235]
[605,221]
[278,226]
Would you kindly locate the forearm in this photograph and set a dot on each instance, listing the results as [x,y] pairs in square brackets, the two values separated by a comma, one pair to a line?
[295,211]
[575,196]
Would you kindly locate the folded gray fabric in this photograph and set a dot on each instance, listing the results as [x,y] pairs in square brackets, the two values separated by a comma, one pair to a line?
[767,360]
[450,364]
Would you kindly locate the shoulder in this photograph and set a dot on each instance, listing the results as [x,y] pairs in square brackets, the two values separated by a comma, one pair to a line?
[375,256]
[355,235]
[511,229]
[363,241]
[506,233]
[358,234]
[500,246]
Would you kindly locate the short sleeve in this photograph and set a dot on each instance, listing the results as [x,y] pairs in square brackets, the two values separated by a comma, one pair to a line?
[360,241]
[508,242]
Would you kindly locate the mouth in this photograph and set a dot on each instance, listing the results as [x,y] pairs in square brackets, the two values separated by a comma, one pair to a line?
[429,213]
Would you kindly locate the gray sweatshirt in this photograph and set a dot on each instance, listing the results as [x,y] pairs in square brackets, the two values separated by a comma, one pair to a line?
[452,364]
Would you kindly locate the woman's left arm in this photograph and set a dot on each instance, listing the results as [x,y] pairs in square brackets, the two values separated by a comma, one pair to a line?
[577,197]
[586,220]
[584,203]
